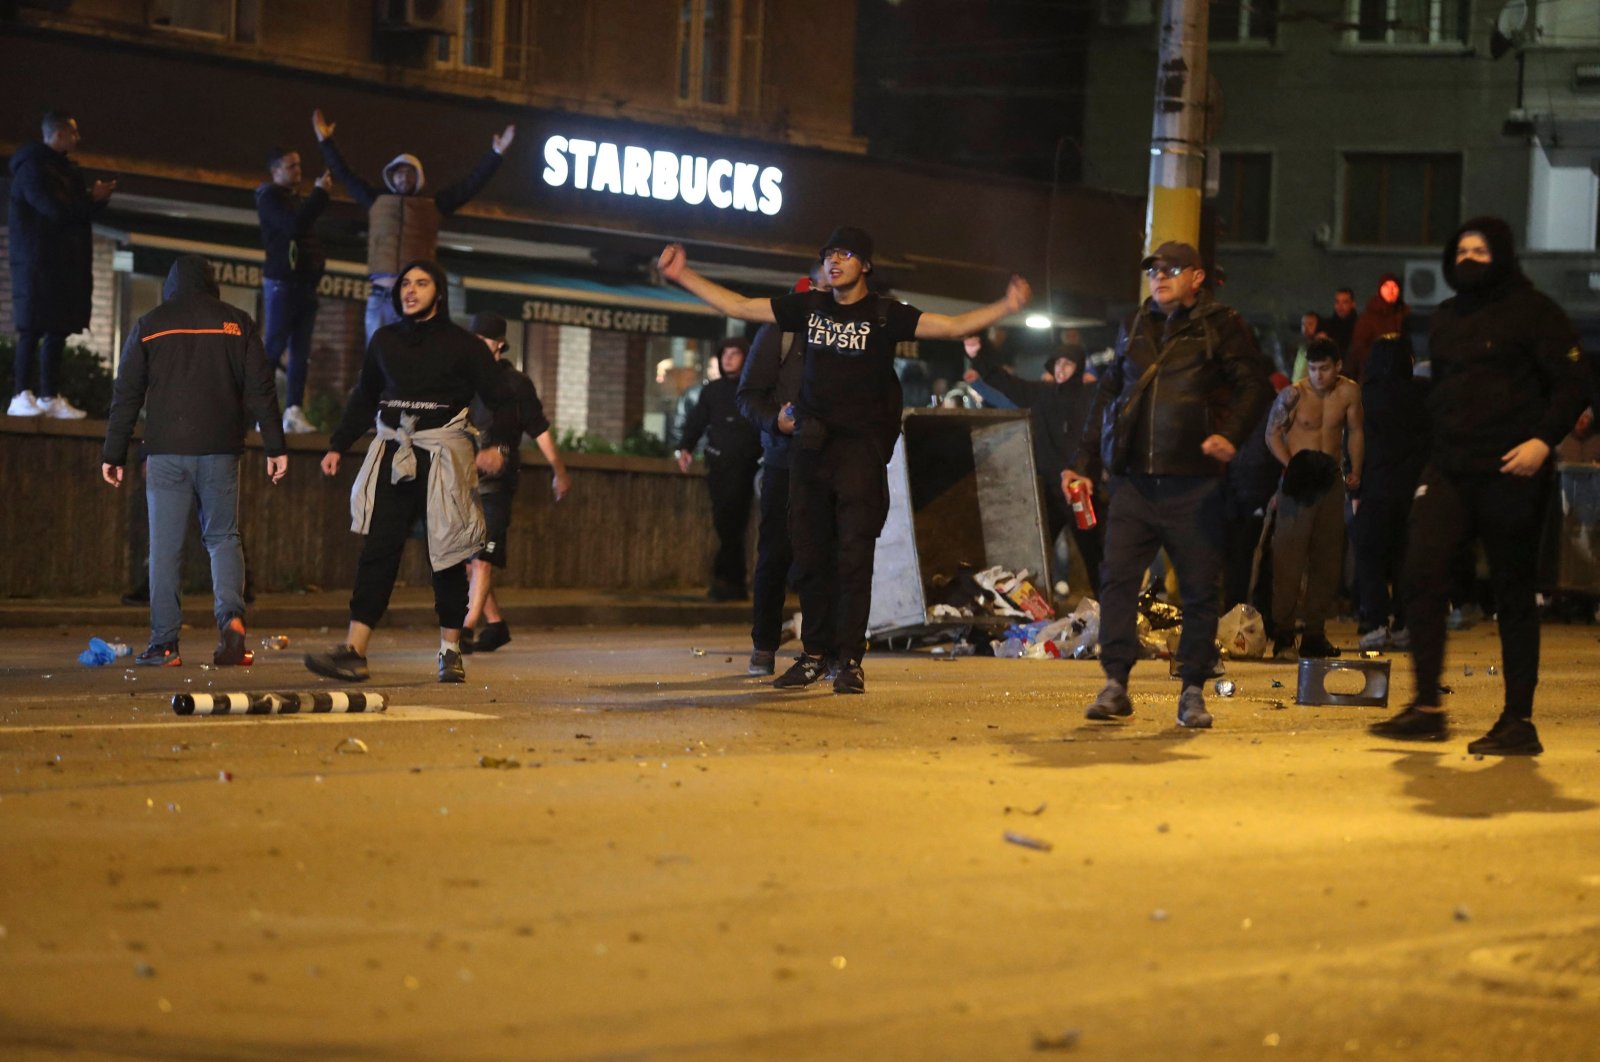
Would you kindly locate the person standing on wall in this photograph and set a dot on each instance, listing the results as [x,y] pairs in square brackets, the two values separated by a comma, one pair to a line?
[291,272]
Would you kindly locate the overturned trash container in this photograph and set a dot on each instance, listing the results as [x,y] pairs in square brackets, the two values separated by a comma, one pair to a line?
[962,490]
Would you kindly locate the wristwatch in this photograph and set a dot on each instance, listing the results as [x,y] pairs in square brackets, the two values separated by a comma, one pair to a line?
[505,451]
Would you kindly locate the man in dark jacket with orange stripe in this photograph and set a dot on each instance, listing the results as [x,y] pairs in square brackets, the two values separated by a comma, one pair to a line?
[199,366]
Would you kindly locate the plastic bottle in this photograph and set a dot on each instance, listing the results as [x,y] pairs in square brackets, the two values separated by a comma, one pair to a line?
[102,652]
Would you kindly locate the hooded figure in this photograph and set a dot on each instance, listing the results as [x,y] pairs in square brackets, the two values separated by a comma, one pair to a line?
[1385,314]
[1508,385]
[733,451]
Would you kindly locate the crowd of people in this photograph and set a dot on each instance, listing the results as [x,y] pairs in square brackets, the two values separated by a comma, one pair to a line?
[1248,480]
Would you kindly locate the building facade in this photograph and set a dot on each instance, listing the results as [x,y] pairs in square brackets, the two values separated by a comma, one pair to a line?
[1352,138]
[726,124]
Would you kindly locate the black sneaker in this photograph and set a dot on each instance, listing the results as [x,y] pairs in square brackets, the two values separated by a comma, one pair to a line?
[1110,703]
[163,654]
[1317,647]
[230,650]
[468,646]
[763,662]
[492,637]
[849,679]
[1511,735]
[1413,724]
[451,669]
[805,671]
[341,662]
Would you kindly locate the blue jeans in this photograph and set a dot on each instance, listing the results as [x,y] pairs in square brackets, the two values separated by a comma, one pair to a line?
[289,314]
[380,311]
[1185,516]
[172,484]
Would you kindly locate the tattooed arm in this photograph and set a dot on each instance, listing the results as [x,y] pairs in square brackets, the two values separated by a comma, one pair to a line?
[1278,421]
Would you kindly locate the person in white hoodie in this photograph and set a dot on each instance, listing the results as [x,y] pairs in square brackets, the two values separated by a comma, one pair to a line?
[402,222]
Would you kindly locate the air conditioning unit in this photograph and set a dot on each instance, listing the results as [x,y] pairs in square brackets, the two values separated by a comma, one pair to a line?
[417,16]
[1425,283]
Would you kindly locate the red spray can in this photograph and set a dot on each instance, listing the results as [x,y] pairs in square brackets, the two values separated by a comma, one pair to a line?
[1081,497]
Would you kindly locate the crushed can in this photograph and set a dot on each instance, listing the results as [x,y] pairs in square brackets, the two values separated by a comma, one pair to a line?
[1080,495]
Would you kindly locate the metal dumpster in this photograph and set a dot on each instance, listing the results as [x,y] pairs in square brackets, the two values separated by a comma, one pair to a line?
[962,489]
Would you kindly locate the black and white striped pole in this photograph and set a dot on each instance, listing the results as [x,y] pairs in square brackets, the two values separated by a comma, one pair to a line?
[318,703]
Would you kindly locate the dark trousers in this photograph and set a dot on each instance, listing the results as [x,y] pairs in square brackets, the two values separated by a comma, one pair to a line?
[1185,516]
[732,482]
[1378,532]
[838,501]
[38,352]
[1307,545]
[1505,513]
[289,314]
[396,507]
[1240,567]
[774,559]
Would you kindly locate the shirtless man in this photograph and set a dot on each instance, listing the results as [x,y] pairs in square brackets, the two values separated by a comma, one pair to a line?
[1312,424]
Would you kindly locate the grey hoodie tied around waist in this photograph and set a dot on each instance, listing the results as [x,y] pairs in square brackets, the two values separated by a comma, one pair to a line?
[455,518]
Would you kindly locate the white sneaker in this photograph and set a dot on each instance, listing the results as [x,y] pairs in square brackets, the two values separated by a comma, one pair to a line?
[59,408]
[23,404]
[295,422]
[1377,639]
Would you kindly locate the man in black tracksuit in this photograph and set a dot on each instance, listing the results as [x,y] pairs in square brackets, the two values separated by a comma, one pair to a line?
[416,384]
[733,450]
[1508,385]
[197,363]
[844,430]
[1187,384]
[1057,408]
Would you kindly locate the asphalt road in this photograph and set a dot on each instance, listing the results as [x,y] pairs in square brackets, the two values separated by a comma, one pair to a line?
[686,864]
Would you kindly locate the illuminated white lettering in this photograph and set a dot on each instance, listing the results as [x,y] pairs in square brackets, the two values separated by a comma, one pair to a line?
[607,169]
[555,161]
[744,186]
[582,152]
[771,194]
[636,171]
[692,180]
[718,172]
[664,177]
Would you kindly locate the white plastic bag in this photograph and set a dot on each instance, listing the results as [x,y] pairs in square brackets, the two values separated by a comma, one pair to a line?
[1243,633]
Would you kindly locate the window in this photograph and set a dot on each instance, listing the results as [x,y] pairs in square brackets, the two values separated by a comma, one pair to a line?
[708,66]
[1413,22]
[1244,21]
[1244,198]
[1401,200]
[476,42]
[233,20]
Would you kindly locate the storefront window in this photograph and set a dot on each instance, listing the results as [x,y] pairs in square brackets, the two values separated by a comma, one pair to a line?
[674,368]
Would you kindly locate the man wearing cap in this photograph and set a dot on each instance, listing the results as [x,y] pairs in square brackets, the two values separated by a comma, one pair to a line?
[402,223]
[497,489]
[843,429]
[733,452]
[1187,384]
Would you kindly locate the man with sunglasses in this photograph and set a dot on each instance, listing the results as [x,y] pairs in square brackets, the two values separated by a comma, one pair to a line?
[843,429]
[1174,407]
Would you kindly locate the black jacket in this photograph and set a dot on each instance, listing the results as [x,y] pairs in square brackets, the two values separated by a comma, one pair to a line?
[52,244]
[1506,363]
[1395,418]
[429,369]
[769,381]
[1058,412]
[531,421]
[289,232]
[1211,380]
[730,439]
[197,363]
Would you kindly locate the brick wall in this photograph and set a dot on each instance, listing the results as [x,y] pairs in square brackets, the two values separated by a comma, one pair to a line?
[337,346]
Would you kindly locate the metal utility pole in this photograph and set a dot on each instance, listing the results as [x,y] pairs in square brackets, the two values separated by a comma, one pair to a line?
[1177,138]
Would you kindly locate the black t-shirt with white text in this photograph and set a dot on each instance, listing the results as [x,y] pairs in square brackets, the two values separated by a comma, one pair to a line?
[849,357]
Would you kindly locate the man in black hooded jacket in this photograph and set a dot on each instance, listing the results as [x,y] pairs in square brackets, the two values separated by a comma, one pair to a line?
[733,452]
[1508,385]
[198,364]
[416,384]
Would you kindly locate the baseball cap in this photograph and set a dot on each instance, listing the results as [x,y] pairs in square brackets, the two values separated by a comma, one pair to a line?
[1173,253]
[489,325]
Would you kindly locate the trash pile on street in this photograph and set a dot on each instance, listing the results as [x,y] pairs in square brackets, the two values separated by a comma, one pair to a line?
[991,592]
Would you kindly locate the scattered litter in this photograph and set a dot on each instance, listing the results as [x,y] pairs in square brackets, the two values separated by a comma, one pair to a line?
[224,776]
[950,652]
[1277,685]
[1467,670]
[143,969]
[276,641]
[1493,670]
[1224,687]
[1158,915]
[698,652]
[1446,689]
[1462,914]
[1243,633]
[499,763]
[1065,1042]
[1370,654]
[102,652]
[1026,811]
[351,746]
[1163,828]
[1028,842]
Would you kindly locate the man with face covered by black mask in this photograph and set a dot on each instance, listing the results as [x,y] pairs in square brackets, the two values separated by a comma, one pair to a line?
[1508,385]
[417,382]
